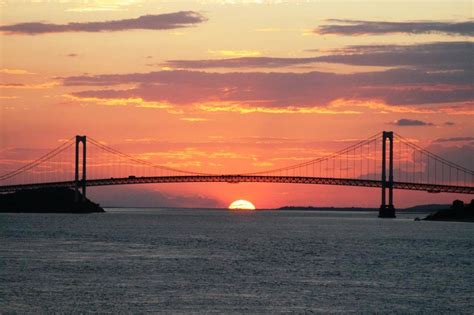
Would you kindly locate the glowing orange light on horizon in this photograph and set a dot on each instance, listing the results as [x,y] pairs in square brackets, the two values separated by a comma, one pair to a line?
[241,205]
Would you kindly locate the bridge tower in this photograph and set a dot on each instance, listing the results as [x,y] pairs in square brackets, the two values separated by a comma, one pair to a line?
[387,211]
[82,182]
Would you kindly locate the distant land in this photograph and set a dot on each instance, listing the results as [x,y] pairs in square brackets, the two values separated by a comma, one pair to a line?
[414,209]
[46,200]
[458,211]
[313,208]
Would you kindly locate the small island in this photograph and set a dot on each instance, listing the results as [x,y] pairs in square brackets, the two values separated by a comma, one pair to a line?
[457,212]
[46,200]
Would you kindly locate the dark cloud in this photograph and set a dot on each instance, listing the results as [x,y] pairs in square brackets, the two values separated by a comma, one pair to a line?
[395,87]
[411,122]
[243,62]
[450,123]
[146,22]
[72,55]
[357,28]
[454,139]
[431,56]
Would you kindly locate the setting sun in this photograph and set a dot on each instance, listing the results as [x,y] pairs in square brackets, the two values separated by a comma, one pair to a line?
[241,205]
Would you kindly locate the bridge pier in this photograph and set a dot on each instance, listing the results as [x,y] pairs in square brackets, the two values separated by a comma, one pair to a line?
[82,182]
[387,211]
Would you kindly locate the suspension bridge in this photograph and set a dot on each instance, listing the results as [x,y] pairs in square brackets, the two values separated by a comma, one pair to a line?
[386,160]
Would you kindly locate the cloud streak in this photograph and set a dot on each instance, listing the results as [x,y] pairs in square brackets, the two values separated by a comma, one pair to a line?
[454,139]
[359,28]
[404,122]
[431,56]
[146,22]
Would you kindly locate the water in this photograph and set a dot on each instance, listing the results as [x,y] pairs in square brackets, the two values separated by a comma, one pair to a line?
[175,261]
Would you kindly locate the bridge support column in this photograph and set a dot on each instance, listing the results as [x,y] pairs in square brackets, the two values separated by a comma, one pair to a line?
[80,183]
[387,211]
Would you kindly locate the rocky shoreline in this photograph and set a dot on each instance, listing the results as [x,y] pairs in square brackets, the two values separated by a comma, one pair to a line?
[457,212]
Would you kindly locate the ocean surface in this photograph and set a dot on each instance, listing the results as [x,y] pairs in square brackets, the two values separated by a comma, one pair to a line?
[217,261]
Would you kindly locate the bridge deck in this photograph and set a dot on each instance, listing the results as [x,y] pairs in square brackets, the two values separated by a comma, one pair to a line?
[247,179]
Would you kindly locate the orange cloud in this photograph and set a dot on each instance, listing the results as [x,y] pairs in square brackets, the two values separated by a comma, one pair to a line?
[236,53]
[15,71]
[459,109]
[132,101]
[378,106]
[104,5]
[246,109]
[46,85]
[194,119]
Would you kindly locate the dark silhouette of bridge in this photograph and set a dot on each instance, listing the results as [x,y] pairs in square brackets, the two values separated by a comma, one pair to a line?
[386,161]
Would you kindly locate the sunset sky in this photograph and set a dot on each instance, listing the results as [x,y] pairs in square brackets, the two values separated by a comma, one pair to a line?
[227,86]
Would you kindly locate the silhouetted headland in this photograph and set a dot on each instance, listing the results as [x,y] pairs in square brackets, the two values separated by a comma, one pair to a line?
[46,200]
[457,212]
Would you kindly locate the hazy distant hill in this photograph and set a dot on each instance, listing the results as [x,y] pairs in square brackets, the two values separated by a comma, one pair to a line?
[419,208]
[426,208]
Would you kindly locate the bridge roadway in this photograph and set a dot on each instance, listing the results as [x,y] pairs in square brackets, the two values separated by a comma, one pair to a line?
[234,179]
